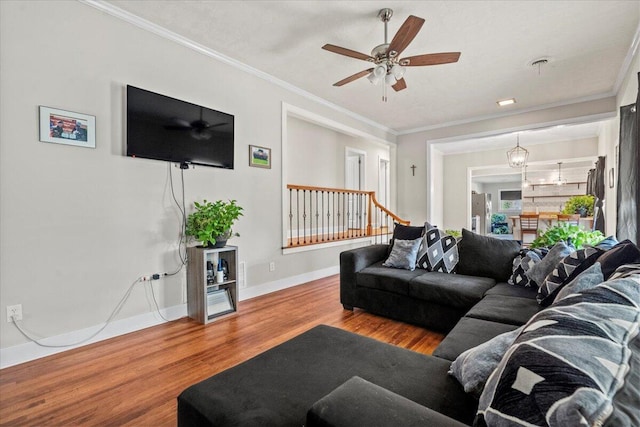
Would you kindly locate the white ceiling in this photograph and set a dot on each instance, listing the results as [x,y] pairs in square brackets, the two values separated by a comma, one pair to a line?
[587,43]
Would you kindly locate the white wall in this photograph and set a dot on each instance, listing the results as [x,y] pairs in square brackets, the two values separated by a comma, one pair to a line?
[609,139]
[412,147]
[79,225]
[456,167]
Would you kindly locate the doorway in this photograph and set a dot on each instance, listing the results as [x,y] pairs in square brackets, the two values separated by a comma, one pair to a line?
[354,179]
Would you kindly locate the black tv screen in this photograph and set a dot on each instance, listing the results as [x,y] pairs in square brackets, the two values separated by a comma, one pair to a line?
[164,128]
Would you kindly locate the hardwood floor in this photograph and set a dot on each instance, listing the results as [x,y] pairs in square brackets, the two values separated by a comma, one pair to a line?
[134,379]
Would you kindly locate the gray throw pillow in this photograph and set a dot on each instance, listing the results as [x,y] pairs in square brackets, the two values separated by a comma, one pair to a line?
[473,367]
[589,278]
[541,270]
[404,254]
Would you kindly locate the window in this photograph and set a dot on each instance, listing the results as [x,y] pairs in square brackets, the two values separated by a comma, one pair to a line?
[510,200]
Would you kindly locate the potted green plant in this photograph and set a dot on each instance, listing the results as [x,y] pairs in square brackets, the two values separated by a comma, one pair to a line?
[569,233]
[582,205]
[211,223]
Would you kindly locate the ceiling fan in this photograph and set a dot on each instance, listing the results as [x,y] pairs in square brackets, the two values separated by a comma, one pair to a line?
[386,57]
[199,128]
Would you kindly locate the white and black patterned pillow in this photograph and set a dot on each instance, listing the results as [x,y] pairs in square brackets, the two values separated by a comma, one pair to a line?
[439,251]
[626,270]
[566,270]
[569,362]
[521,264]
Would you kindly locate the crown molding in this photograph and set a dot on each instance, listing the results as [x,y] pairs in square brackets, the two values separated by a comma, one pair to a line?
[628,60]
[186,42]
[512,113]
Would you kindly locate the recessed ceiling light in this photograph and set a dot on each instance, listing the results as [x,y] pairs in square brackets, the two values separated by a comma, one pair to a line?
[506,102]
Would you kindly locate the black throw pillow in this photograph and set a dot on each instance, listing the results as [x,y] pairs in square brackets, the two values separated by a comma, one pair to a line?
[486,256]
[624,252]
[405,232]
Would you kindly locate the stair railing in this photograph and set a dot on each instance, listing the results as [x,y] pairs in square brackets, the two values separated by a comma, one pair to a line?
[320,215]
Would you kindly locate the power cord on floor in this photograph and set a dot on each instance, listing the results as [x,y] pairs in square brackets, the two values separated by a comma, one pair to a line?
[109,320]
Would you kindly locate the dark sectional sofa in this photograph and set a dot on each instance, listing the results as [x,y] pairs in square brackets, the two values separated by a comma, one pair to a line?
[330,377]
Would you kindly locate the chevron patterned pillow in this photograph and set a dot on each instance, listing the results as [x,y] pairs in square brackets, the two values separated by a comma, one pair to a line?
[626,270]
[570,366]
[566,270]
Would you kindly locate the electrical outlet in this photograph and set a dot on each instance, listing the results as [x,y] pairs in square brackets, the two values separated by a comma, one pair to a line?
[242,275]
[15,311]
[272,266]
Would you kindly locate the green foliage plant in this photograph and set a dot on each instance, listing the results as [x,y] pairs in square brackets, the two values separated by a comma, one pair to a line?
[211,221]
[453,233]
[569,233]
[575,203]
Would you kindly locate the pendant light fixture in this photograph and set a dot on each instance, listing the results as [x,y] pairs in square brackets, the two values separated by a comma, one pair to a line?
[560,181]
[517,156]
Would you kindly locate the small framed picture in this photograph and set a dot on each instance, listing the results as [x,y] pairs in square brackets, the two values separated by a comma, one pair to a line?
[259,157]
[67,127]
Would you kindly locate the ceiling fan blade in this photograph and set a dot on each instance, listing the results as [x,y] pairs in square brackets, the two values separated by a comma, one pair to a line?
[400,84]
[430,59]
[172,127]
[356,76]
[405,35]
[347,52]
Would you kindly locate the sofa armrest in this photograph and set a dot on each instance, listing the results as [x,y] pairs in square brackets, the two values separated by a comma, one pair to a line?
[358,402]
[351,262]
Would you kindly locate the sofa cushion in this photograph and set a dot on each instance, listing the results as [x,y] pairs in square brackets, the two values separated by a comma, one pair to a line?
[566,270]
[359,402]
[469,332]
[439,251]
[404,254]
[567,365]
[541,270]
[473,367]
[513,291]
[277,387]
[453,290]
[395,280]
[510,310]
[624,252]
[486,256]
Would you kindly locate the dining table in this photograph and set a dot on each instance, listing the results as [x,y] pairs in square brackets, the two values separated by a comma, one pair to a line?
[549,219]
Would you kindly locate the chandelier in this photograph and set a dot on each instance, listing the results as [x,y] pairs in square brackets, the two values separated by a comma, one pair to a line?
[517,156]
[560,181]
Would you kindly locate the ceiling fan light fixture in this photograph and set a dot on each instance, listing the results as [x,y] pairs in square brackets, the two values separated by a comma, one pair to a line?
[398,71]
[390,79]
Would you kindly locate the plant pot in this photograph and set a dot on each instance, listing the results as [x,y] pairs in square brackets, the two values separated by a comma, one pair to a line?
[582,212]
[220,243]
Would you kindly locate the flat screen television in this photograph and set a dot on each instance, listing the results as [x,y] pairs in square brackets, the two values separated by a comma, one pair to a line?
[164,128]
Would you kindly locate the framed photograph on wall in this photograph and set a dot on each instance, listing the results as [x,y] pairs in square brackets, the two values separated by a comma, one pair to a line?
[67,127]
[259,157]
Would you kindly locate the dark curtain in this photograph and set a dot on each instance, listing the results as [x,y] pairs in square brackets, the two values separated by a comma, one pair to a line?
[598,192]
[628,205]
[590,182]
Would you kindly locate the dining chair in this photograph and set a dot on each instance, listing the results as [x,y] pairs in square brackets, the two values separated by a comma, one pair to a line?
[528,226]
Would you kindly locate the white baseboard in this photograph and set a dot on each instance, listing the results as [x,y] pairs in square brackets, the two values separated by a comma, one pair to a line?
[21,353]
[287,282]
